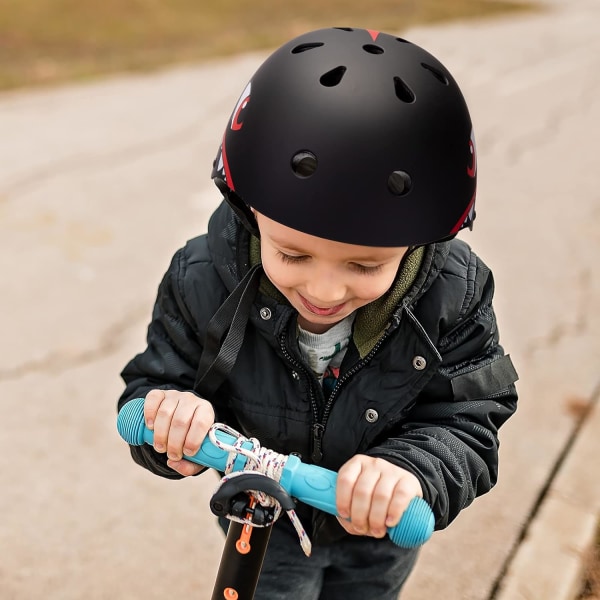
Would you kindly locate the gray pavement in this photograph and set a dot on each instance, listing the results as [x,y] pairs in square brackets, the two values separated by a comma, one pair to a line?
[101,183]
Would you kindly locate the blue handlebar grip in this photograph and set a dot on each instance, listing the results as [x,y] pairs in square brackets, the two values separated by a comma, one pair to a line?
[132,428]
[310,484]
[316,486]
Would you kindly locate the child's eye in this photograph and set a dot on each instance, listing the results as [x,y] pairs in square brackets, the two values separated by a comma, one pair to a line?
[366,270]
[290,258]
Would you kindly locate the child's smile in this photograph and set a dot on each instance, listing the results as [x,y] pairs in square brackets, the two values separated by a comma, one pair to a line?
[325,281]
[321,311]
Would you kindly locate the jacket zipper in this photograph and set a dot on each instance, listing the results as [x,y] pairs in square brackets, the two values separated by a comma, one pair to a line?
[318,426]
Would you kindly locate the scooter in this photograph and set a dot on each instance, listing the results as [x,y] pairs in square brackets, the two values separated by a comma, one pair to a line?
[258,486]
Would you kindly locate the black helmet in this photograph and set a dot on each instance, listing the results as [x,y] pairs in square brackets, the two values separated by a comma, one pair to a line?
[354,136]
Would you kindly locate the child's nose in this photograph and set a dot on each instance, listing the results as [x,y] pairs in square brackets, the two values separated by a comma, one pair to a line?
[326,288]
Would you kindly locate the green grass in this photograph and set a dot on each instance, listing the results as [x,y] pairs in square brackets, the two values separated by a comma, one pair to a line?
[51,41]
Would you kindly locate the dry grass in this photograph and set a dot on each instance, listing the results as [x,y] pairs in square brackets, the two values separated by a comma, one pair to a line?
[49,41]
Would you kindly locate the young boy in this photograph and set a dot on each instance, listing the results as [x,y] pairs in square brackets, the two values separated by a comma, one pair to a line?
[329,312]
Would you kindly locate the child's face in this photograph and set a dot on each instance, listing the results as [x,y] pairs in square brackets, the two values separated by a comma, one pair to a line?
[324,281]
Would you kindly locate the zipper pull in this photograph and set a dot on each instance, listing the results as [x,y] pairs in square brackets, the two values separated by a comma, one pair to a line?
[317,454]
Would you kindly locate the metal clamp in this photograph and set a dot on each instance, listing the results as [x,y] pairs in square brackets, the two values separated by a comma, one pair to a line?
[234,498]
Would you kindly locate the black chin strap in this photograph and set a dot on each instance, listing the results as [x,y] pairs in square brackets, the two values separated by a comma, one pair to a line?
[229,322]
[239,207]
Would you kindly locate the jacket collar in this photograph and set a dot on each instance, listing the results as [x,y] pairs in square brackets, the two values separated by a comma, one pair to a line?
[235,251]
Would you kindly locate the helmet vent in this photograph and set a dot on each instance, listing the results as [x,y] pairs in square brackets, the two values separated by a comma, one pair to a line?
[402,41]
[436,73]
[344,28]
[305,47]
[304,164]
[399,183]
[403,92]
[373,49]
[333,77]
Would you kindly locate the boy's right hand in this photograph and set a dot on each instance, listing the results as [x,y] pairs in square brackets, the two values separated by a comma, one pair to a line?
[180,422]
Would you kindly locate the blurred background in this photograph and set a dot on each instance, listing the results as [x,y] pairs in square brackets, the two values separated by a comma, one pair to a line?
[49,41]
[111,114]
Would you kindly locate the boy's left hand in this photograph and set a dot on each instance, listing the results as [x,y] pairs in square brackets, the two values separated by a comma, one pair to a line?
[373,494]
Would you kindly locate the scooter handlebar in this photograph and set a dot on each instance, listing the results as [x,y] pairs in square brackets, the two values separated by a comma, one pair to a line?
[310,484]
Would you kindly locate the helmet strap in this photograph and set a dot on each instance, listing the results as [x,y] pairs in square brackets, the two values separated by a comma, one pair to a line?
[240,208]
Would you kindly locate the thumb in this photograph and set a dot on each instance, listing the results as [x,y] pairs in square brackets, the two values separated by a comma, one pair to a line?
[185,467]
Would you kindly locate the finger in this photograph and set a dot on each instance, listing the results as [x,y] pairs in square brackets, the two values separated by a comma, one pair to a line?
[348,526]
[203,419]
[179,427]
[162,423]
[405,490]
[184,467]
[398,504]
[347,476]
[362,498]
[152,402]
[381,504]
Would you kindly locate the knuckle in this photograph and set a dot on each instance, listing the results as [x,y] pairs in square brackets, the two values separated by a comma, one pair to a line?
[173,450]
[362,492]
[204,421]
[344,478]
[155,396]
[178,422]
[381,495]
[166,408]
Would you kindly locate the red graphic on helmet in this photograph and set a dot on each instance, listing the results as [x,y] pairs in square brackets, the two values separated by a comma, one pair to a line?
[225,167]
[467,218]
[221,168]
[237,121]
[472,168]
[374,34]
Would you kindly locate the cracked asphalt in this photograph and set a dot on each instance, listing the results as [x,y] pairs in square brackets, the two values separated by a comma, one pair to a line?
[101,183]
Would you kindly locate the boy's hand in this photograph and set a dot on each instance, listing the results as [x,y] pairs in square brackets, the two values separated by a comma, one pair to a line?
[373,493]
[180,421]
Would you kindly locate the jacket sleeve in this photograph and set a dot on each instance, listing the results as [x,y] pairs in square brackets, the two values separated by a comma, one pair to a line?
[170,359]
[449,439]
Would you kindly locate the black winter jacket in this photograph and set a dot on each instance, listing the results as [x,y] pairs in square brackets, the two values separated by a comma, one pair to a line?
[426,387]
